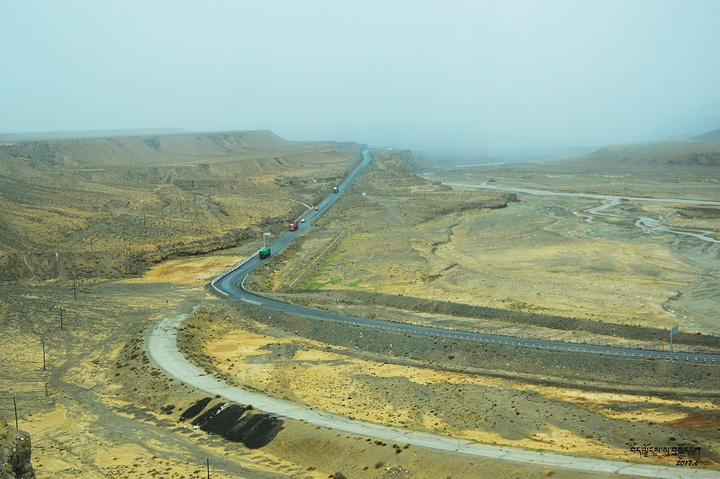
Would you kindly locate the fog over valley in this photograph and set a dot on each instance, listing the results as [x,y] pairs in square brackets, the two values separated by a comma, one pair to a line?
[494,76]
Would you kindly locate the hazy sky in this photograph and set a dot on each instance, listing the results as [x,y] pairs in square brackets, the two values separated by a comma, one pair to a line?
[411,73]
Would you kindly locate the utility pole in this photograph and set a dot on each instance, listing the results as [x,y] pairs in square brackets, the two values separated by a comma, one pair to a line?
[672,331]
[16,419]
[74,287]
[61,318]
[43,355]
[208,467]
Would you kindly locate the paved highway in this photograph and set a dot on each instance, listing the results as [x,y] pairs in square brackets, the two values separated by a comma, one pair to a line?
[163,352]
[226,284]
[231,284]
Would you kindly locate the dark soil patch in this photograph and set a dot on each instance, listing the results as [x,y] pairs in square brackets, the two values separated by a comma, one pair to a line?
[207,415]
[231,422]
[696,421]
[255,430]
[195,409]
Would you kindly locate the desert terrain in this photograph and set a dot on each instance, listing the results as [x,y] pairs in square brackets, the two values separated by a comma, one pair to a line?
[529,256]
[110,207]
[139,242]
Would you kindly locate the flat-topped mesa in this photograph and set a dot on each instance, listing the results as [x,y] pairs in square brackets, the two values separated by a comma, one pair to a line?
[152,149]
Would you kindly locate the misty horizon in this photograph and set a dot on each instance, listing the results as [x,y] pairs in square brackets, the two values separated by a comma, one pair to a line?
[493,76]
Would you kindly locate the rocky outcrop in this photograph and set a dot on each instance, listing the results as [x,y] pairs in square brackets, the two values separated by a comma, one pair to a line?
[15,454]
[137,262]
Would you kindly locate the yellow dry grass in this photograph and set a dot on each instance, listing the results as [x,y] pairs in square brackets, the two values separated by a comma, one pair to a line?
[298,377]
[188,271]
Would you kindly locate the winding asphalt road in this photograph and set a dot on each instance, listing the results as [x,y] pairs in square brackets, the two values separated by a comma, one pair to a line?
[231,284]
[162,350]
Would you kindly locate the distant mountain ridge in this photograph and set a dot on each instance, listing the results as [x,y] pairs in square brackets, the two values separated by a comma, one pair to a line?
[695,151]
[108,207]
[55,135]
[709,136]
[68,153]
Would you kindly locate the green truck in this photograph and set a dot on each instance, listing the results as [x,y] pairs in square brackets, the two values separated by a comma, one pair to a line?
[264,253]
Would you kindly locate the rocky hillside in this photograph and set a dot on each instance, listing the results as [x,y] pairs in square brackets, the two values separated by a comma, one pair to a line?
[108,206]
[697,151]
[14,453]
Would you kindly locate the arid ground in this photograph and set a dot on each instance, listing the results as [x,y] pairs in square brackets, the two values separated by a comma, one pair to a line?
[396,246]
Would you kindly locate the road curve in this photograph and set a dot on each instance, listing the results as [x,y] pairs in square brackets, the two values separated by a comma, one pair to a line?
[162,350]
[231,285]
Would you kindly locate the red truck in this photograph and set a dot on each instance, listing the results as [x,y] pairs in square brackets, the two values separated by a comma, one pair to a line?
[293,226]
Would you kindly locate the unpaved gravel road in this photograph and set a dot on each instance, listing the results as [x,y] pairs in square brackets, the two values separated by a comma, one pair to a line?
[162,350]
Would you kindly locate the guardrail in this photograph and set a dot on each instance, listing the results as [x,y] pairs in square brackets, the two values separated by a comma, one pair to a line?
[231,270]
